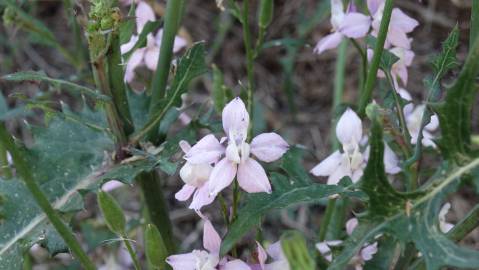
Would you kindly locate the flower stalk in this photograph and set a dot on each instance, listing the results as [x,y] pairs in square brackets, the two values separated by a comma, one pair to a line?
[366,95]
[25,174]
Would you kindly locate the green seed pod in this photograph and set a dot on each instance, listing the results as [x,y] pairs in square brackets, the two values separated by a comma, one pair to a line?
[112,212]
[266,11]
[296,251]
[155,248]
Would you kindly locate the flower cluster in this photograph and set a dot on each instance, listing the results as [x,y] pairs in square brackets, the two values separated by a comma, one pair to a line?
[146,56]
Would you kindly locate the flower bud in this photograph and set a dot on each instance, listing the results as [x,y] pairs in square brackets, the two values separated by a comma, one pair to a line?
[155,248]
[266,10]
[112,212]
[295,249]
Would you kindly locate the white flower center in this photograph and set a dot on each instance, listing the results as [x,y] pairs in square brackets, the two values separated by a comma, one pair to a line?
[238,149]
[205,261]
[195,174]
[352,156]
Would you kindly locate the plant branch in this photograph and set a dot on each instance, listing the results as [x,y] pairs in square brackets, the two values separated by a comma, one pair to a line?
[249,59]
[366,95]
[24,172]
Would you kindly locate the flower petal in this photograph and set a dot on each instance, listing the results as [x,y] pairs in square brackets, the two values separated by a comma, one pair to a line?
[373,6]
[151,57]
[262,255]
[124,48]
[355,25]
[201,198]
[391,162]
[328,165]
[235,265]
[111,185]
[185,146]
[179,44]
[328,42]
[134,61]
[222,175]
[252,177]
[235,118]
[402,21]
[211,238]
[268,147]
[206,150]
[349,129]
[185,261]
[185,193]
[144,13]
[351,224]
[368,251]
[276,251]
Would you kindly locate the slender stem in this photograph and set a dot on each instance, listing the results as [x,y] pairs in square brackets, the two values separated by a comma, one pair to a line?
[249,59]
[23,170]
[132,252]
[330,208]
[364,64]
[474,22]
[5,167]
[338,88]
[378,51]
[174,10]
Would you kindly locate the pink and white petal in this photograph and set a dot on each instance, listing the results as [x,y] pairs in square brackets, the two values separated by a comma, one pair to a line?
[373,6]
[355,25]
[357,174]
[262,255]
[222,175]
[351,224]
[185,261]
[158,37]
[337,13]
[185,193]
[235,265]
[179,44]
[324,250]
[185,146]
[135,60]
[398,38]
[211,238]
[252,177]
[268,147]
[433,124]
[144,13]
[235,117]
[402,21]
[349,129]
[368,251]
[112,185]
[276,251]
[151,57]
[391,162]
[207,150]
[278,265]
[124,48]
[201,198]
[338,174]
[328,42]
[328,165]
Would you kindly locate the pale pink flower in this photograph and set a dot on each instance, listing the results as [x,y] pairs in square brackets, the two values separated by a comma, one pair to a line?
[445,226]
[399,70]
[251,176]
[278,259]
[196,172]
[365,254]
[207,259]
[351,161]
[413,123]
[351,25]
[399,26]
[146,56]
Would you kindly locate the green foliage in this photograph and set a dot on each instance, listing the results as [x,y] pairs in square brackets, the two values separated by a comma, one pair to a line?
[265,13]
[296,251]
[112,212]
[33,76]
[387,58]
[455,111]
[190,66]
[221,93]
[155,249]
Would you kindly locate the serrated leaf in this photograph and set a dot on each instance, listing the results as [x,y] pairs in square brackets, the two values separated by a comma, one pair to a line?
[61,84]
[190,66]
[284,194]
[446,60]
[455,112]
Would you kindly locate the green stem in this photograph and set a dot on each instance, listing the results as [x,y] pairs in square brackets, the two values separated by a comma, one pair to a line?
[23,169]
[327,219]
[366,95]
[128,246]
[174,10]
[474,22]
[157,207]
[249,60]
[338,88]
[6,173]
[364,64]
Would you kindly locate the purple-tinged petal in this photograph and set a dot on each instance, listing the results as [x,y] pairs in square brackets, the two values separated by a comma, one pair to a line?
[355,25]
[328,42]
[185,146]
[337,13]
[135,60]
[328,165]
[391,162]
[185,261]
[351,224]
[211,238]
[222,175]
[235,118]
[151,57]
[201,198]
[179,44]
[207,150]
[349,129]
[185,193]
[262,255]
[124,48]
[111,185]
[268,147]
[144,13]
[398,38]
[368,251]
[433,124]
[373,6]
[276,251]
[252,177]
[402,21]
[235,265]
